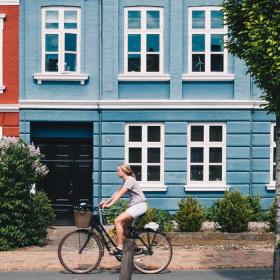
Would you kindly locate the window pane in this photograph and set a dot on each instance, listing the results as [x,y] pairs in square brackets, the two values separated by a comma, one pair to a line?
[70,42]
[196,155]
[215,155]
[134,19]
[217,62]
[153,155]
[198,43]
[274,155]
[153,173]
[215,173]
[152,62]
[197,133]
[217,19]
[135,155]
[70,62]
[51,42]
[196,173]
[137,170]
[274,133]
[198,19]
[52,19]
[198,62]
[51,64]
[153,43]
[135,133]
[153,19]
[153,133]
[134,42]
[216,134]
[134,62]
[274,172]
[217,42]
[70,19]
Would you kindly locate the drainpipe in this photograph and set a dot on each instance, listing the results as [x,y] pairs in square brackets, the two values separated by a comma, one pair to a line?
[251,140]
[99,99]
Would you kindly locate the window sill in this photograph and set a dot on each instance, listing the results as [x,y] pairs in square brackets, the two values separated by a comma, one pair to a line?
[43,77]
[144,77]
[2,89]
[205,188]
[210,77]
[153,187]
[270,186]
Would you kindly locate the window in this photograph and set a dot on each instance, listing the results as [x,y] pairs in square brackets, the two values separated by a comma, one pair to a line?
[2,16]
[273,156]
[144,152]
[206,154]
[61,40]
[143,44]
[207,54]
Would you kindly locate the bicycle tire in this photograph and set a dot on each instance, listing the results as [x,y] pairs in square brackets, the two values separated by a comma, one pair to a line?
[158,257]
[80,262]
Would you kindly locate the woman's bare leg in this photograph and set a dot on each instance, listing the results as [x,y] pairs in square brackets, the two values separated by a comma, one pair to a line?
[119,221]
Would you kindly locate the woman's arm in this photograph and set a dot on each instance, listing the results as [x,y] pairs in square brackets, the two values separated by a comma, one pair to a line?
[110,199]
[115,197]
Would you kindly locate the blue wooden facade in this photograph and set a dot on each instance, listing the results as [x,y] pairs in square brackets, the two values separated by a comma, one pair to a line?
[108,98]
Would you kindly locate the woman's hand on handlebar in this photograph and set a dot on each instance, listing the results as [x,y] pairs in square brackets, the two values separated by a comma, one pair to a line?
[105,205]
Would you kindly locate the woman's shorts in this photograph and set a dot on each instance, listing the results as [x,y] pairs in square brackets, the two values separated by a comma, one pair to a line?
[137,210]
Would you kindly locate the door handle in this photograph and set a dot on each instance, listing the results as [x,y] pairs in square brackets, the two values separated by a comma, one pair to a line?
[71,189]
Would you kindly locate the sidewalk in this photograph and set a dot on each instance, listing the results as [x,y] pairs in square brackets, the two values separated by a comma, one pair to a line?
[184,257]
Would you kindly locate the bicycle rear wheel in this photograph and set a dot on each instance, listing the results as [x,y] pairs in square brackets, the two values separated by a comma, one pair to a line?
[80,251]
[154,252]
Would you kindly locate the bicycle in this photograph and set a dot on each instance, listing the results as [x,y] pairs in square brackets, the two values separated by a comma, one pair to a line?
[81,250]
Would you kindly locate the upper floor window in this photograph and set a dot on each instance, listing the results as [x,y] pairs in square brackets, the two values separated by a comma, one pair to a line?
[144,152]
[207,154]
[143,46]
[206,33]
[2,16]
[273,154]
[61,40]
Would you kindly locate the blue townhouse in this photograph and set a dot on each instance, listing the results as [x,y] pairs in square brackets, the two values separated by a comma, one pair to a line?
[147,82]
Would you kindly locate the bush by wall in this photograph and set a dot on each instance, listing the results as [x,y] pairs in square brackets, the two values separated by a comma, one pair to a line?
[190,215]
[21,221]
[115,210]
[255,205]
[232,213]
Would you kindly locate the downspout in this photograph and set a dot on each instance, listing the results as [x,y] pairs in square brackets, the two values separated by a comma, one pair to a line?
[99,99]
[251,140]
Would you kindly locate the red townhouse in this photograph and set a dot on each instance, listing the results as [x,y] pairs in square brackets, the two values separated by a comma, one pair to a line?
[9,68]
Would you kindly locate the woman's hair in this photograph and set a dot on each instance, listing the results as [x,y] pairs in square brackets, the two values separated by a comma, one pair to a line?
[126,169]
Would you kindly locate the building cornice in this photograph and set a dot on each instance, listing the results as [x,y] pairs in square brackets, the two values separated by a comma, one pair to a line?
[9,108]
[9,2]
[140,104]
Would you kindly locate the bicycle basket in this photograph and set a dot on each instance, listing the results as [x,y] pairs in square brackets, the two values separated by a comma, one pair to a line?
[82,219]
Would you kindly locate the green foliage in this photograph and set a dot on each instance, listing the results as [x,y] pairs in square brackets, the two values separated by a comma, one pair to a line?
[190,215]
[232,213]
[114,211]
[271,216]
[255,205]
[161,217]
[20,169]
[253,35]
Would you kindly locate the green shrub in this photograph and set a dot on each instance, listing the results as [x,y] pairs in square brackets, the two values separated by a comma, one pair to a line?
[190,215]
[115,210]
[20,169]
[271,216]
[161,217]
[232,213]
[209,213]
[257,212]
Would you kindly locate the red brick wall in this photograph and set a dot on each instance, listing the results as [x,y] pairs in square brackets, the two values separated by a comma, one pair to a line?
[10,121]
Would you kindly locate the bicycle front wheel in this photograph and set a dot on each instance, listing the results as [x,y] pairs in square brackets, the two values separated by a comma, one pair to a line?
[153,252]
[80,251]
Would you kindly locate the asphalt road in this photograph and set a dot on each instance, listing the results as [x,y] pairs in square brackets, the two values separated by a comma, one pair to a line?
[255,274]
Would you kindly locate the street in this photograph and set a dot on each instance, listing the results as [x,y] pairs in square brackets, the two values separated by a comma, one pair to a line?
[252,274]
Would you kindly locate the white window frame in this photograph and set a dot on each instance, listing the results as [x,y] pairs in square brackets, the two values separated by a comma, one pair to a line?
[206,185]
[2,17]
[144,145]
[61,74]
[207,31]
[271,185]
[143,32]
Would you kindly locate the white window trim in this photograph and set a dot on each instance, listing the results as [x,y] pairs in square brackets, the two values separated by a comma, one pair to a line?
[9,2]
[271,185]
[206,185]
[146,185]
[144,32]
[61,75]
[144,77]
[206,77]
[207,31]
[2,87]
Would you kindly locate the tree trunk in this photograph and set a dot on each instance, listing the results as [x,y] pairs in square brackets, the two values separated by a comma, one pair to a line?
[276,258]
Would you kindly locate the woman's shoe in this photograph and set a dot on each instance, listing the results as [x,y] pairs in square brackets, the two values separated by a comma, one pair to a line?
[117,252]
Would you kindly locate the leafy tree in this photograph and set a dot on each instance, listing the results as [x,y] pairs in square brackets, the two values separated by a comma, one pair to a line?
[254,36]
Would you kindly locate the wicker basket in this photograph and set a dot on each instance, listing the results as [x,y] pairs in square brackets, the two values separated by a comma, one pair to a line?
[82,219]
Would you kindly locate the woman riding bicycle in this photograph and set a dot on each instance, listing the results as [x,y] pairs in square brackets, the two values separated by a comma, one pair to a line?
[137,203]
